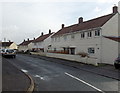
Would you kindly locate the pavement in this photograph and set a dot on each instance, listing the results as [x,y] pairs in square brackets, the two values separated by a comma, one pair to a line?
[14,80]
[103,69]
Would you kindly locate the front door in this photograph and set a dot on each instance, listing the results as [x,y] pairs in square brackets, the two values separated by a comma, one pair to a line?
[72,50]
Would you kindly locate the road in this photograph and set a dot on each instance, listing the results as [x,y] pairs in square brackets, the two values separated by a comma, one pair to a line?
[51,76]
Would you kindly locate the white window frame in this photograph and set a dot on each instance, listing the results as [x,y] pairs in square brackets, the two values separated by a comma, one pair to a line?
[97,33]
[82,35]
[89,34]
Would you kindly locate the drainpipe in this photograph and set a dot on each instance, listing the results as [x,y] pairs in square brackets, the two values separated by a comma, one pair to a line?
[101,36]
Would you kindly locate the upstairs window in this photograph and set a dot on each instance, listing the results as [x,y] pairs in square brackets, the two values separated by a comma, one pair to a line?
[35,44]
[89,34]
[65,37]
[97,33]
[55,39]
[52,39]
[58,39]
[83,35]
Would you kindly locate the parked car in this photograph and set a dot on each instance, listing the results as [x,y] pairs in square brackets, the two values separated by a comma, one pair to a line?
[117,63]
[0,51]
[9,53]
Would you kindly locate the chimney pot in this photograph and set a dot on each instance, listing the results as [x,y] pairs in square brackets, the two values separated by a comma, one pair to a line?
[42,34]
[80,20]
[115,9]
[63,26]
[49,31]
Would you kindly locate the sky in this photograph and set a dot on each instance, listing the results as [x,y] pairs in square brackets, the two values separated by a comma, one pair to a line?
[22,19]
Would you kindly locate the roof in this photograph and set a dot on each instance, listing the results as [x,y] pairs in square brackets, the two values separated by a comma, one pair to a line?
[6,44]
[42,38]
[25,42]
[113,38]
[93,23]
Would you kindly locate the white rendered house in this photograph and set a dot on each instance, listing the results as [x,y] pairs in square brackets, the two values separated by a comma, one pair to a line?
[26,45]
[89,37]
[43,42]
[9,45]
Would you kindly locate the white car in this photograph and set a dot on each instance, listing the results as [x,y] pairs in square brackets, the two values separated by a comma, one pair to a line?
[8,52]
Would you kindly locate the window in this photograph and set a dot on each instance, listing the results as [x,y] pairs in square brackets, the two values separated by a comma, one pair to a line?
[72,36]
[35,44]
[91,50]
[90,34]
[54,49]
[55,39]
[52,39]
[58,39]
[97,33]
[65,38]
[82,35]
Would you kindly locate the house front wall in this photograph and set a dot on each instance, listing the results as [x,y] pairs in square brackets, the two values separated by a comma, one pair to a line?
[7,47]
[110,28]
[47,43]
[38,44]
[30,46]
[80,44]
[23,48]
[43,44]
[110,48]
[13,46]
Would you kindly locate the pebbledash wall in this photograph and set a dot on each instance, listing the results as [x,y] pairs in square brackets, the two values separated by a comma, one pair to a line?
[106,50]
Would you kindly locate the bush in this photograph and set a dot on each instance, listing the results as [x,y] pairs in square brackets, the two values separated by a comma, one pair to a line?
[83,54]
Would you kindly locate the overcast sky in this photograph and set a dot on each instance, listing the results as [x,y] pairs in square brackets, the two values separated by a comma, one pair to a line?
[21,20]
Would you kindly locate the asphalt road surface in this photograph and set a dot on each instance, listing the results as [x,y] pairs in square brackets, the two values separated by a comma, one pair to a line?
[51,76]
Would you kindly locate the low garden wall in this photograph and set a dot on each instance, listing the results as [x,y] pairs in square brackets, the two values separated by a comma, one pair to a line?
[77,58]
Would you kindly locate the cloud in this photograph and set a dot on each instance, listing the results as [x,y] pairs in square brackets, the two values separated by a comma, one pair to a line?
[21,20]
[119,7]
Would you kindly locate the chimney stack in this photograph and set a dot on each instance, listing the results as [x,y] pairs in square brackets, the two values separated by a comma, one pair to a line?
[49,31]
[28,39]
[9,41]
[34,38]
[24,40]
[115,9]
[42,34]
[80,20]
[63,26]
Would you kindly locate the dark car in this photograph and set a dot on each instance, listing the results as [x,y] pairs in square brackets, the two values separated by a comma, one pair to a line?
[117,63]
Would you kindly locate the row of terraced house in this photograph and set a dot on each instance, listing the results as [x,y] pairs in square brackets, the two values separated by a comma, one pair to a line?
[97,39]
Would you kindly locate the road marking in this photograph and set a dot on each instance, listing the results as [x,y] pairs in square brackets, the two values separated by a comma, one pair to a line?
[84,82]
[24,70]
[39,77]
